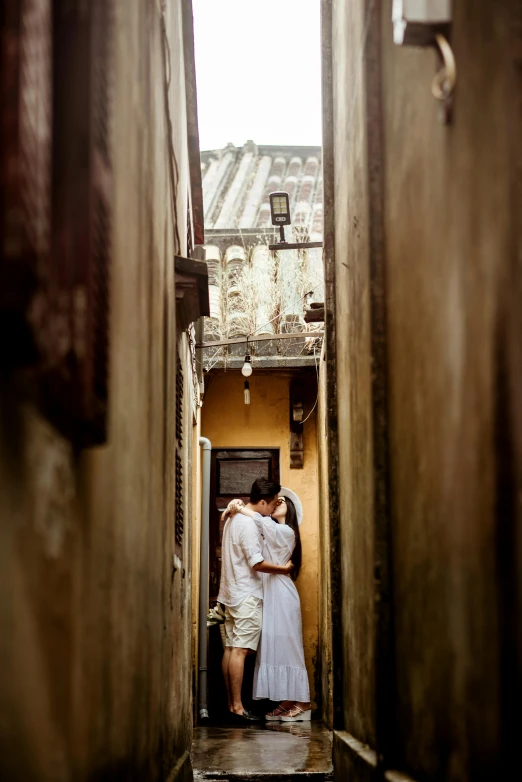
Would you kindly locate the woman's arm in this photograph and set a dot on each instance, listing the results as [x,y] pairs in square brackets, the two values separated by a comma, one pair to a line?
[274,570]
[279,537]
[263,523]
[237,506]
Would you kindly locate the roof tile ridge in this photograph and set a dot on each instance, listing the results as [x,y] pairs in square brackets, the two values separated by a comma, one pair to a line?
[237,207]
[248,187]
[223,186]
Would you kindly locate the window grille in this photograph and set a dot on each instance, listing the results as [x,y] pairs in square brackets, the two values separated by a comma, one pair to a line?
[25,164]
[55,235]
[76,388]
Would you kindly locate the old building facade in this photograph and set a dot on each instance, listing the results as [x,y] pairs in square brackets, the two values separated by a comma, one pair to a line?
[257,292]
[400,429]
[252,289]
[100,179]
[423,394]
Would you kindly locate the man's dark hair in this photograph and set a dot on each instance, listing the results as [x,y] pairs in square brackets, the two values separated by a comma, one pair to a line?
[263,490]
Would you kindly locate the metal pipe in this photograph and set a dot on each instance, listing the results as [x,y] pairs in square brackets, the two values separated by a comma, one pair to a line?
[203,577]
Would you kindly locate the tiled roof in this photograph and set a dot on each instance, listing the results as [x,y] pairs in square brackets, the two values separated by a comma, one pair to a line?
[254,291]
[237,182]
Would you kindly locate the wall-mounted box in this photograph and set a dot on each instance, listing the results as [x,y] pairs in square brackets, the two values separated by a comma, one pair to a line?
[416,22]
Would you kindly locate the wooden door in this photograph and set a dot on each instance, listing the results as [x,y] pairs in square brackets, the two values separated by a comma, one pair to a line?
[233,472]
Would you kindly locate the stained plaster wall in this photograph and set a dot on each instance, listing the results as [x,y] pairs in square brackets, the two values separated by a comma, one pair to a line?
[95,643]
[325,550]
[352,348]
[197,489]
[229,423]
[427,297]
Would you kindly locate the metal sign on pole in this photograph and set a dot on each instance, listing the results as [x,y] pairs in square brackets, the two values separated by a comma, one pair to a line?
[280,213]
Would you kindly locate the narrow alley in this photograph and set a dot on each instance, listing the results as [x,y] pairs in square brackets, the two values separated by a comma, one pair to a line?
[273,754]
[260,390]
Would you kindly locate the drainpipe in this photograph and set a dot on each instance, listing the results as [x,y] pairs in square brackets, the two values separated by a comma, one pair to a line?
[203,578]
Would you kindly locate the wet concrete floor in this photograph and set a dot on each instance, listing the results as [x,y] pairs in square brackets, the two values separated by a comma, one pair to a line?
[274,751]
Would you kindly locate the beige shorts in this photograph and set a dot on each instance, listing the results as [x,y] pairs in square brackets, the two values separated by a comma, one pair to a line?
[243,623]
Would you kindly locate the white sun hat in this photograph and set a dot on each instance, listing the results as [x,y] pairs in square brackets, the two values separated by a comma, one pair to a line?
[295,499]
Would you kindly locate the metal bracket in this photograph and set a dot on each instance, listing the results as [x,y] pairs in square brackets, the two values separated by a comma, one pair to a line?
[427,23]
[294,246]
[416,22]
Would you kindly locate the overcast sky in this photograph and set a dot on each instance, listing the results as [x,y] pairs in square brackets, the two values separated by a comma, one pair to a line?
[258,71]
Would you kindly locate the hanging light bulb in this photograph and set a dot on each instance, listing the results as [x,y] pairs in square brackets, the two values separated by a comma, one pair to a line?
[247,392]
[246,371]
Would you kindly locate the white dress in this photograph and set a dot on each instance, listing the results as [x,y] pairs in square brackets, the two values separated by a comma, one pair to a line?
[280,672]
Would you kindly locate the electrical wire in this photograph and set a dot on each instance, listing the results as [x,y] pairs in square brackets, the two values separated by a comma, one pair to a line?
[317,397]
[210,364]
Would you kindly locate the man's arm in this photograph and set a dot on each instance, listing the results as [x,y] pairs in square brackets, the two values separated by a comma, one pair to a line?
[249,541]
[276,570]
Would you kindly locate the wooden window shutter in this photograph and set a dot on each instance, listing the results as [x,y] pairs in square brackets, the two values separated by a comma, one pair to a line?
[180,483]
[76,315]
[25,170]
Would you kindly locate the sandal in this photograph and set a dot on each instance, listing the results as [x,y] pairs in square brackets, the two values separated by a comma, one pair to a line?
[300,715]
[277,714]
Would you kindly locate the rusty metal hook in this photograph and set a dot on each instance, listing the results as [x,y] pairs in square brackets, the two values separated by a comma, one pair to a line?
[444,81]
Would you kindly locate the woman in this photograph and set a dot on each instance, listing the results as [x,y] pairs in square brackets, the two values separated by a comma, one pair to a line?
[280,672]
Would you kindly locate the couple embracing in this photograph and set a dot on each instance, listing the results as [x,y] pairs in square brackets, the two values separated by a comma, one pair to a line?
[261,558]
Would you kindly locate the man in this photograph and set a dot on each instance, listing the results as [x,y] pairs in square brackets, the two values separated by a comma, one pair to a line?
[241,589]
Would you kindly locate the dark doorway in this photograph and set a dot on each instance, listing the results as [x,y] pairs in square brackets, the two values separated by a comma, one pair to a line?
[232,474]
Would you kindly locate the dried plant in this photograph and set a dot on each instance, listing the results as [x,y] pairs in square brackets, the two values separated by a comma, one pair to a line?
[260,296]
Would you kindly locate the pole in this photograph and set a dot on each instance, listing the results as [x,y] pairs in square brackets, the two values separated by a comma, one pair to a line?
[203,578]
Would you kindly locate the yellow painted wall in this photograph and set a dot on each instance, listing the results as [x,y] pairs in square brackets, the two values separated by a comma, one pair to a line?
[324,596]
[229,423]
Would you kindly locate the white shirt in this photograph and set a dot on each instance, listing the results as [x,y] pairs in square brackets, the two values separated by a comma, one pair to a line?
[240,551]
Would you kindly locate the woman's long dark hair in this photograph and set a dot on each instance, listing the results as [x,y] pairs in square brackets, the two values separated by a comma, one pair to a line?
[291,521]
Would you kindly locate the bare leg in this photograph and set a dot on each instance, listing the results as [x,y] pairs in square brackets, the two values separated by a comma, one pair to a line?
[224,666]
[236,668]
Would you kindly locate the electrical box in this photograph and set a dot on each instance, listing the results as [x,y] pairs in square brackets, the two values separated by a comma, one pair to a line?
[416,22]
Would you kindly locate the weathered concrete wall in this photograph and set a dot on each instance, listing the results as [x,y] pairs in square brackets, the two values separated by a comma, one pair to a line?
[96,625]
[324,654]
[353,370]
[449,230]
[228,422]
[428,281]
